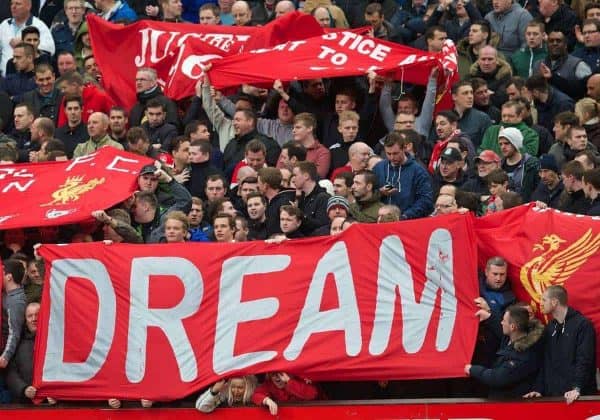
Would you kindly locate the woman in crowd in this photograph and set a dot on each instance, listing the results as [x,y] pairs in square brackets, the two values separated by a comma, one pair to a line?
[234,391]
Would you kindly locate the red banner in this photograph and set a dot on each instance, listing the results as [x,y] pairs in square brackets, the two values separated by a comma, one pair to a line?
[545,248]
[333,54]
[58,193]
[377,302]
[163,46]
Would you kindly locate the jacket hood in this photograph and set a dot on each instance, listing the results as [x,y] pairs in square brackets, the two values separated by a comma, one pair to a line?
[536,329]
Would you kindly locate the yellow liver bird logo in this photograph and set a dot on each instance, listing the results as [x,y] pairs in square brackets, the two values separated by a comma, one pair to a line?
[554,266]
[72,190]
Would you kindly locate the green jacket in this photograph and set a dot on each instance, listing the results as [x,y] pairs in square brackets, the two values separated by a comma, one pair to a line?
[91,146]
[366,211]
[522,61]
[531,139]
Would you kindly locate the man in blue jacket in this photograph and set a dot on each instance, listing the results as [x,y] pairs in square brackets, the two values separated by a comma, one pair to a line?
[402,181]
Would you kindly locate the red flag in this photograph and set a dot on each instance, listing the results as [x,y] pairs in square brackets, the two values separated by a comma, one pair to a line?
[57,193]
[391,301]
[331,55]
[543,248]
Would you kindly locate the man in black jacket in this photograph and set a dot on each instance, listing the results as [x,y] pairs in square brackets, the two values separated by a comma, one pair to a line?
[313,198]
[514,371]
[146,87]
[569,340]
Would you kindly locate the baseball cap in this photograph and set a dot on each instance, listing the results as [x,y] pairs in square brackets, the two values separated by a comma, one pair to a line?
[451,155]
[488,156]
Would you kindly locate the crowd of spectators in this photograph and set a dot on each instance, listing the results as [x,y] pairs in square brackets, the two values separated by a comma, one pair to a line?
[312,157]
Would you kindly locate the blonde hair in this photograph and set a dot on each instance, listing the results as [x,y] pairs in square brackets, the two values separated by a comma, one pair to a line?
[586,106]
[250,383]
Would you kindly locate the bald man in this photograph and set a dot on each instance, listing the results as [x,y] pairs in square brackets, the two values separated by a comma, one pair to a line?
[242,15]
[495,71]
[321,14]
[97,127]
[283,7]
[593,87]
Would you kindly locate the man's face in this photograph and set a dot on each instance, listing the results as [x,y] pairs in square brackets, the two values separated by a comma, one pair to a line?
[337,226]
[484,168]
[173,8]
[35,133]
[360,189]
[407,106]
[139,146]
[568,182]
[110,234]
[214,189]
[481,96]
[255,160]
[348,129]
[557,47]
[288,222]
[301,132]
[344,103]
[512,92]
[360,158]
[436,43]
[241,14]
[148,182]
[70,89]
[66,63]
[591,36]
[340,188]
[501,5]
[31,317]
[488,61]
[496,189]
[196,155]
[547,7]
[506,147]
[445,204]
[495,276]
[560,131]
[22,118]
[33,40]
[45,82]
[510,115]
[463,97]
[207,17]
[593,87]
[195,215]
[284,112]
[91,68]
[548,178]
[225,5]
[222,229]
[22,62]
[156,116]
[585,162]
[322,16]
[241,124]
[74,11]
[476,35]
[395,154]
[201,133]
[374,19]
[299,177]
[534,36]
[404,122]
[506,324]
[593,13]
[256,208]
[175,231]
[449,169]
[20,9]
[315,88]
[96,126]
[282,8]
[247,188]
[143,81]
[182,154]
[337,211]
[117,121]
[443,127]
[547,305]
[73,111]
[578,140]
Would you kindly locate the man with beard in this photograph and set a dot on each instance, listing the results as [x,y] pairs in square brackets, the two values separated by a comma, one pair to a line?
[74,131]
[159,131]
[485,163]
[366,205]
[522,169]
[481,99]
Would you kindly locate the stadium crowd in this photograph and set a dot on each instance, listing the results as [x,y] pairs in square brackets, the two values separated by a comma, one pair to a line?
[312,157]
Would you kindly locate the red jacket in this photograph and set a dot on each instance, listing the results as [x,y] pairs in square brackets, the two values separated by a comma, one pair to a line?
[295,390]
[94,100]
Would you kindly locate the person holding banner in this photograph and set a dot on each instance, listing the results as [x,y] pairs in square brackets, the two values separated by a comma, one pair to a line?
[279,386]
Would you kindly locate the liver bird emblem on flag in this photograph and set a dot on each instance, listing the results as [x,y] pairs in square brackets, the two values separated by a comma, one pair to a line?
[72,189]
[555,265]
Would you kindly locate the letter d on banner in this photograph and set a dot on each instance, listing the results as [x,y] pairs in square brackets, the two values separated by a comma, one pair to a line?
[55,369]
